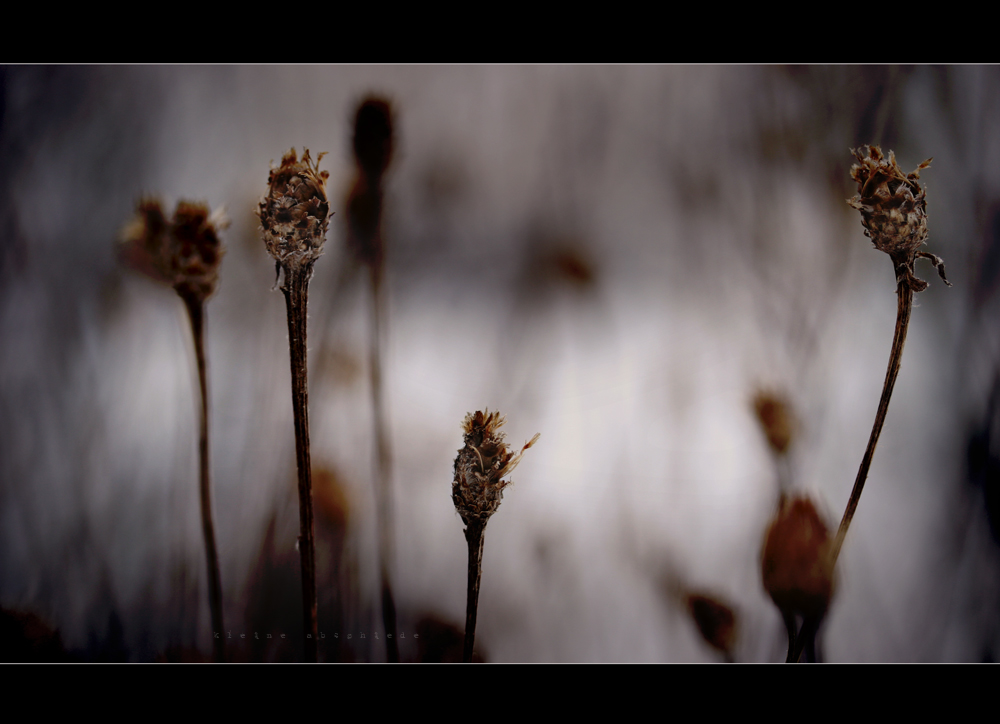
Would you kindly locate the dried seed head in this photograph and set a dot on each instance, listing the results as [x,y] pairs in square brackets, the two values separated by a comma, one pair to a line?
[775,417]
[373,143]
[893,210]
[295,212]
[714,619]
[184,252]
[796,563]
[373,136]
[480,466]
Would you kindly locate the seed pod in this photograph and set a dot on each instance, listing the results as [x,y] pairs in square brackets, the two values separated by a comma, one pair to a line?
[480,466]
[295,213]
[776,420]
[185,252]
[893,210]
[796,564]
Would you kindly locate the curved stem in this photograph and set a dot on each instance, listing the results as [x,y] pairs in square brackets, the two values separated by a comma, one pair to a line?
[474,535]
[904,295]
[296,289]
[196,312]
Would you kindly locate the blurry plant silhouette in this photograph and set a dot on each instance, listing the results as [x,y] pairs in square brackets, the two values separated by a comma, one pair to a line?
[797,571]
[185,253]
[373,146]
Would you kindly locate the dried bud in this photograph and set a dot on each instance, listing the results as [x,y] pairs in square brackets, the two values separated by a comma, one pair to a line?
[796,564]
[715,620]
[373,152]
[481,465]
[295,212]
[184,253]
[893,210]
[373,137]
[776,420]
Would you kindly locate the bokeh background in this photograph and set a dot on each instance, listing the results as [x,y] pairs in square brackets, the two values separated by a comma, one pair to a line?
[617,257]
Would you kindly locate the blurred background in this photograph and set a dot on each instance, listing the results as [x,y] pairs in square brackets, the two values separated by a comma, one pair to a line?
[619,258]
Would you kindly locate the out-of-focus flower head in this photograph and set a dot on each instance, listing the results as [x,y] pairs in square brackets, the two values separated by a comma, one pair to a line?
[184,252]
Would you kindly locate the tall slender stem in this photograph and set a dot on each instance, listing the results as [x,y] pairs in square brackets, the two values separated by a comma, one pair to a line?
[384,467]
[196,312]
[474,534]
[904,295]
[296,289]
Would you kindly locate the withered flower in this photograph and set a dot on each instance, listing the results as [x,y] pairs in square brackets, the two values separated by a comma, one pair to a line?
[893,210]
[776,420]
[480,466]
[795,564]
[184,252]
[295,213]
[294,216]
[797,567]
[477,491]
[715,620]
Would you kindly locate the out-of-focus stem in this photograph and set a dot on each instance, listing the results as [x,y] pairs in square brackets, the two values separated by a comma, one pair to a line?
[384,468]
[196,312]
[904,295]
[474,535]
[296,289]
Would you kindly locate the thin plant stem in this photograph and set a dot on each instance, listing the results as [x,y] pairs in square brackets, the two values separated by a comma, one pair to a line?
[384,467]
[296,289]
[196,312]
[474,534]
[904,294]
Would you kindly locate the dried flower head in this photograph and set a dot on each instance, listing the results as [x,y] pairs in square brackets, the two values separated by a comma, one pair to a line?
[184,252]
[776,420]
[796,563]
[715,620]
[893,210]
[481,465]
[373,136]
[295,213]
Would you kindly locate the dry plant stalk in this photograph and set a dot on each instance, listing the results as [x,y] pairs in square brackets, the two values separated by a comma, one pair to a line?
[893,210]
[477,491]
[185,253]
[373,145]
[294,217]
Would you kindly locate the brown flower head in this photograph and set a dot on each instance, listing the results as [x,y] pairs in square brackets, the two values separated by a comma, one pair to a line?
[893,210]
[796,562]
[295,212]
[373,140]
[481,465]
[184,252]
[776,420]
[715,620]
